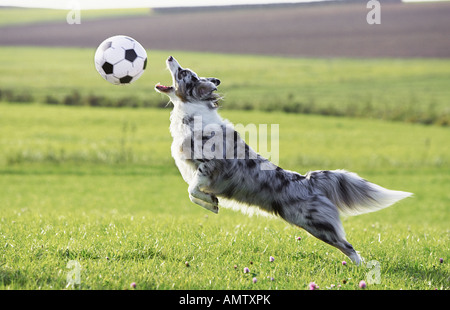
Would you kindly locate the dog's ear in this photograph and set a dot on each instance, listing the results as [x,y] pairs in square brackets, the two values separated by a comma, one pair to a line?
[214,81]
[205,89]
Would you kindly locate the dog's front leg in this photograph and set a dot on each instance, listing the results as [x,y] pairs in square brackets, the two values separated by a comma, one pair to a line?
[198,184]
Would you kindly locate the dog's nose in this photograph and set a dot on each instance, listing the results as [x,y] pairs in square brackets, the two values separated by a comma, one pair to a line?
[170,58]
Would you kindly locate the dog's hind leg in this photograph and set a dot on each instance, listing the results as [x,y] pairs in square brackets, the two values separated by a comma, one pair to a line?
[326,232]
[196,189]
[320,217]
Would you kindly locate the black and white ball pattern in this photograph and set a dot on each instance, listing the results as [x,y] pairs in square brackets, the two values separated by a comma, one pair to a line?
[120,60]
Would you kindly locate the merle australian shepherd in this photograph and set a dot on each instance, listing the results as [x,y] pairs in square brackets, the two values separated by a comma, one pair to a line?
[231,174]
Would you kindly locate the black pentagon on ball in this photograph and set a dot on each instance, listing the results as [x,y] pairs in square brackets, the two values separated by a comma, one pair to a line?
[145,63]
[126,79]
[130,55]
[108,68]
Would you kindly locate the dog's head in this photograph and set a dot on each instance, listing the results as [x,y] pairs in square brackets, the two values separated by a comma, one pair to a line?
[187,87]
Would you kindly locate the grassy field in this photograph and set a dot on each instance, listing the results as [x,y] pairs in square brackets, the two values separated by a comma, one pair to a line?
[98,186]
[407,90]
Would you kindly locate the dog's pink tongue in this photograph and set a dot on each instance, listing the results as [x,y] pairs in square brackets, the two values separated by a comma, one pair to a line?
[162,87]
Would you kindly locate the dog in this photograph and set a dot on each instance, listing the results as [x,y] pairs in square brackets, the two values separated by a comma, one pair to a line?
[233,172]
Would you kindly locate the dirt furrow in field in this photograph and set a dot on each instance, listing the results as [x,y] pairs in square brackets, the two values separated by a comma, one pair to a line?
[333,30]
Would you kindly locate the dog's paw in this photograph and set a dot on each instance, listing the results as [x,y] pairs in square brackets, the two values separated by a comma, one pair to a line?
[357,259]
[215,200]
[213,207]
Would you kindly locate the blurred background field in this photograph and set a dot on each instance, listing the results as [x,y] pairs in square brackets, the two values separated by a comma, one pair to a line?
[408,90]
[86,172]
[11,16]
[42,134]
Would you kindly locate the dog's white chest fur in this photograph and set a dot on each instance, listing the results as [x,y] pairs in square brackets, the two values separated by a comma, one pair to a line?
[182,133]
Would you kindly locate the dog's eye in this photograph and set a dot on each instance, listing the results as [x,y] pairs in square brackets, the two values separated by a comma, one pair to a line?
[182,74]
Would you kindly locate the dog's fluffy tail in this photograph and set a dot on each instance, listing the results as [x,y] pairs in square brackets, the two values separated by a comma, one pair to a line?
[352,194]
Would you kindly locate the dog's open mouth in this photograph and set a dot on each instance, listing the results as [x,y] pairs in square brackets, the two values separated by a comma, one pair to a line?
[163,88]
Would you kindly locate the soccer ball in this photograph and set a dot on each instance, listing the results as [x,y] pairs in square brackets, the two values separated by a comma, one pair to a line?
[120,60]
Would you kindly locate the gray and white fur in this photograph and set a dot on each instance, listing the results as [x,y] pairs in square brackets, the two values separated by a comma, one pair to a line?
[250,182]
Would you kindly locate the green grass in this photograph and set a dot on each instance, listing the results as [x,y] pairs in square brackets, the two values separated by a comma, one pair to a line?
[407,90]
[99,186]
[17,16]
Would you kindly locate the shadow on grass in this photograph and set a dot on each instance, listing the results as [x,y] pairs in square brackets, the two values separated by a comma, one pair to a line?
[435,275]
[135,254]
[23,280]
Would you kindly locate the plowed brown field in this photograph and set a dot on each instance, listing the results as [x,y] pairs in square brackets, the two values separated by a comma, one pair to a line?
[332,30]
